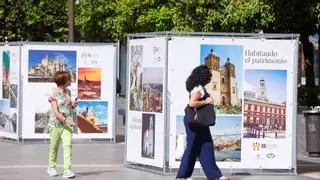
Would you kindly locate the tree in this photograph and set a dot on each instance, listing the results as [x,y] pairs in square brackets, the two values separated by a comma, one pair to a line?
[221,15]
[35,20]
[47,20]
[107,20]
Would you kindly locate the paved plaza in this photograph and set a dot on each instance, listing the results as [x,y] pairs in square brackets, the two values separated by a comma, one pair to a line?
[100,160]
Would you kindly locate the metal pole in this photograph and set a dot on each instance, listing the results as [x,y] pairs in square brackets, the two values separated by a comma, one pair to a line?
[71,20]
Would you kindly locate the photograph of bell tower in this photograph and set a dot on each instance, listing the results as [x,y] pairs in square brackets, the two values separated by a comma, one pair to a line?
[225,63]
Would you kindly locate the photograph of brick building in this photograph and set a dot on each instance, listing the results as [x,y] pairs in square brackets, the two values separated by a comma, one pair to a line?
[265,104]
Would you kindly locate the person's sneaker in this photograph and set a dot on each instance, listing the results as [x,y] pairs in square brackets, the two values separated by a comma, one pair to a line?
[52,172]
[68,174]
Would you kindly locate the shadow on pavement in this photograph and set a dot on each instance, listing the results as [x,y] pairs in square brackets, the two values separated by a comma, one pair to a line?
[94,173]
[307,166]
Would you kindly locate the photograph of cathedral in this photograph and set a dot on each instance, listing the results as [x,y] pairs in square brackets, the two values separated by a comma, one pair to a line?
[136,74]
[148,136]
[5,74]
[265,104]
[226,64]
[152,89]
[226,135]
[44,63]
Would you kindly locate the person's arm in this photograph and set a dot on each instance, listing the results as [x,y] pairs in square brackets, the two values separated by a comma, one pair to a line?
[56,112]
[195,100]
[60,117]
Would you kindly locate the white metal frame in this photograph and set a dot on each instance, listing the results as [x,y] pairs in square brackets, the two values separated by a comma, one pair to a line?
[20,104]
[166,170]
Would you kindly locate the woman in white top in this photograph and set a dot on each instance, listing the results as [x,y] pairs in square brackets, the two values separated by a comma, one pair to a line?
[199,141]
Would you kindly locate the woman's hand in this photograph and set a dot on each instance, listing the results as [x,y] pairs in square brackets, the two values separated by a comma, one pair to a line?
[209,100]
[70,123]
[75,103]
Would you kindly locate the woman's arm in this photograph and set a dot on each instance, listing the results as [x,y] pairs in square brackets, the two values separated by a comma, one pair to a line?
[59,116]
[195,100]
[56,112]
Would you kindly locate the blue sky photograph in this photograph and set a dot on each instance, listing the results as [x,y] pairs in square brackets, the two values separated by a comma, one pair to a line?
[275,82]
[68,57]
[224,125]
[234,52]
[100,108]
[5,106]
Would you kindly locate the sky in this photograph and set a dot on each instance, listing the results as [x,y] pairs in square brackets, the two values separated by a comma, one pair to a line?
[69,57]
[153,75]
[235,53]
[93,74]
[275,82]
[224,125]
[313,39]
[99,108]
[5,106]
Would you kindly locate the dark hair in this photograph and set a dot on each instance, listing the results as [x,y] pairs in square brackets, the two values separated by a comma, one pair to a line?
[200,75]
[61,78]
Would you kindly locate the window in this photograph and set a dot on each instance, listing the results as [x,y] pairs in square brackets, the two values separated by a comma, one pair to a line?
[258,108]
[277,111]
[268,110]
[272,110]
[263,109]
[257,120]
[252,107]
[246,106]
[233,90]
[214,87]
[222,80]
[245,119]
[251,119]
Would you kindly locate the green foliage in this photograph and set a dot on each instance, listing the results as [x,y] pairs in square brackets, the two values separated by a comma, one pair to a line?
[229,109]
[157,19]
[47,20]
[292,16]
[316,13]
[245,16]
[34,20]
[105,20]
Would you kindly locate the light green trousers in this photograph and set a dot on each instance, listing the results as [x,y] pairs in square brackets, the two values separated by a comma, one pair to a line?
[56,134]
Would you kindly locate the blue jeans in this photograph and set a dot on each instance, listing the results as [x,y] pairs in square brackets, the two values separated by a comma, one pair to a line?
[199,144]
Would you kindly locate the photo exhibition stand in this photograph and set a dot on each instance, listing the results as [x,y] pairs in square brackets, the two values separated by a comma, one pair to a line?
[26,84]
[253,87]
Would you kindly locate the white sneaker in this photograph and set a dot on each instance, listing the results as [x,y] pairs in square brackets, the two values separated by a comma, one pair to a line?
[68,174]
[52,172]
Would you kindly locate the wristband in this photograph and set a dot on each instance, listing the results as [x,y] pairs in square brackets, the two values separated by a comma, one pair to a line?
[64,119]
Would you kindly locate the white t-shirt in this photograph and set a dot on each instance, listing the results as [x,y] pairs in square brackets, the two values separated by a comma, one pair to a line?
[198,88]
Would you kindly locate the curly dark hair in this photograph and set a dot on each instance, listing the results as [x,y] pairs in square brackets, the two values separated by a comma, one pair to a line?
[200,75]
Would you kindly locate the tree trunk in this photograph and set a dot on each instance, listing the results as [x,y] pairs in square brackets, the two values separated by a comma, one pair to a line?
[71,20]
